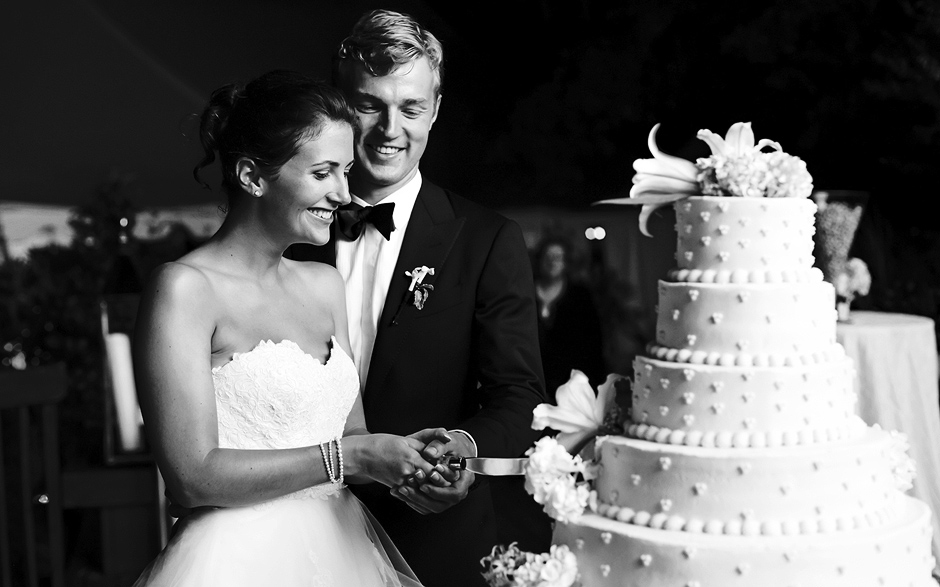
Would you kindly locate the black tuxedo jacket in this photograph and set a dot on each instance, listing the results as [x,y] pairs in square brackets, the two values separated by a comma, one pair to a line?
[469,359]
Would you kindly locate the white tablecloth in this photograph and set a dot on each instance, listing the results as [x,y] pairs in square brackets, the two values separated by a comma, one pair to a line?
[897,384]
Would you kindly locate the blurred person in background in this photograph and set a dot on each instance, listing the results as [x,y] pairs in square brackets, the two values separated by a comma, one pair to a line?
[570,335]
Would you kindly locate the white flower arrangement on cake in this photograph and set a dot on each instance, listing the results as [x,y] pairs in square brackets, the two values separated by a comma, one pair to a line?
[511,567]
[580,414]
[557,475]
[737,167]
[551,478]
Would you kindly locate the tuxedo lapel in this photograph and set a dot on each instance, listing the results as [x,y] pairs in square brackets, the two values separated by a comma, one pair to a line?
[432,230]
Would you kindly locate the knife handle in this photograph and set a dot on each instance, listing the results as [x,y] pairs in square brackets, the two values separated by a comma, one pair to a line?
[453,462]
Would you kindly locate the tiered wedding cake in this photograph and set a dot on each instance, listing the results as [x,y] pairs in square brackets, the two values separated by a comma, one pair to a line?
[744,462]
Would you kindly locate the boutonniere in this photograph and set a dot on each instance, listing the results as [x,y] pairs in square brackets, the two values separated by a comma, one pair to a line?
[418,291]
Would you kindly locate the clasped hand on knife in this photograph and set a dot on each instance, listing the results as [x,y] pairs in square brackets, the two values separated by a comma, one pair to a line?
[443,487]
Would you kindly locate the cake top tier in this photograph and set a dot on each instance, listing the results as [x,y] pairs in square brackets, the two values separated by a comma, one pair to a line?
[738,167]
[744,240]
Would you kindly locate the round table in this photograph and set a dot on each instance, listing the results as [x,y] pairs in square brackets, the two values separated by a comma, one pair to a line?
[897,384]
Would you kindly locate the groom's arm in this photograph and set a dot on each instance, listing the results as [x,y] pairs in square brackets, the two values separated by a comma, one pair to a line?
[511,382]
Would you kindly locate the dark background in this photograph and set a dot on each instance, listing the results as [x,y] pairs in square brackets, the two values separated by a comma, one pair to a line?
[546,102]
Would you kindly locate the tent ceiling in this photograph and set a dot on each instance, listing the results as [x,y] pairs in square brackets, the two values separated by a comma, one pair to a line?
[94,88]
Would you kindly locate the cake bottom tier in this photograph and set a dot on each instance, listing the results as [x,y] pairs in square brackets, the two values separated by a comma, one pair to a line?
[612,553]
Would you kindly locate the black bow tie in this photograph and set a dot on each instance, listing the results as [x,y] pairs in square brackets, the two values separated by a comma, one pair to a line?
[352,219]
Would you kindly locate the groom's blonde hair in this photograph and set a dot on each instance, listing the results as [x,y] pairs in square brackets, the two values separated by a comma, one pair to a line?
[383,40]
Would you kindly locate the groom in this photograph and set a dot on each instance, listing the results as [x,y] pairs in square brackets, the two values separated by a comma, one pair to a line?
[442,318]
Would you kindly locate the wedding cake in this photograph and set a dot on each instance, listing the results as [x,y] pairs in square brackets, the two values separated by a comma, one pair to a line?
[743,461]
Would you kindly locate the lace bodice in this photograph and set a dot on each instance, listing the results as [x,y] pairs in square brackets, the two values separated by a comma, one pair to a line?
[278,396]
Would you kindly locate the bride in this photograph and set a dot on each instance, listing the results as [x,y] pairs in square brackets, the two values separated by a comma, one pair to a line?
[250,399]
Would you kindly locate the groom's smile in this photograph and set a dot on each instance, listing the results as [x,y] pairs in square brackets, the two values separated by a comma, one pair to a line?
[386,150]
[395,112]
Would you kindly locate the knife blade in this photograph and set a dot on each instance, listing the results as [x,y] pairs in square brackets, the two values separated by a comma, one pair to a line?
[491,466]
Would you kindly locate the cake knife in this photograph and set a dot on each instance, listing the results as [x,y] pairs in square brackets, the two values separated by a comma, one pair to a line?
[485,465]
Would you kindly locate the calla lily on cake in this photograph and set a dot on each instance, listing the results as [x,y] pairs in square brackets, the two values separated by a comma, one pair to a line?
[659,181]
[663,174]
[579,415]
[737,167]
[738,142]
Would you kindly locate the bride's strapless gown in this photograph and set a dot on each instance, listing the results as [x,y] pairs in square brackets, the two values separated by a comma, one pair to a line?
[277,396]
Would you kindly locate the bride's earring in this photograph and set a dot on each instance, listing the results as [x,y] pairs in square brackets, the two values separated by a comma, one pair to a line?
[248,176]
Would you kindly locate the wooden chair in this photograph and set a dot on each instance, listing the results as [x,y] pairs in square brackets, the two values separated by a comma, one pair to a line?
[30,479]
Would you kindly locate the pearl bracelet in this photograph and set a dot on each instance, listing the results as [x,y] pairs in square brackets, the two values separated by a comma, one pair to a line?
[339,455]
[328,460]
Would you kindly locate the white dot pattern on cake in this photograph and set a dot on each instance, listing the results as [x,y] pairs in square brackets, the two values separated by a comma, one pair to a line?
[744,462]
[773,403]
[645,558]
[766,244]
[764,484]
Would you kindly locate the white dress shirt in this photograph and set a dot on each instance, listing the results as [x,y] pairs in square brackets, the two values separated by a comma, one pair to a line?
[366,265]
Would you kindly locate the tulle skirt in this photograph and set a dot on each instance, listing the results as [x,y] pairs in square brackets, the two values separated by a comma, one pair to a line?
[307,539]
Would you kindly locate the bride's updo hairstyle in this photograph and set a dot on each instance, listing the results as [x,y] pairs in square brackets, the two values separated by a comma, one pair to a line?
[266,120]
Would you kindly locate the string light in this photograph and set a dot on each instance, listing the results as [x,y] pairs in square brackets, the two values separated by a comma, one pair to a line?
[593,233]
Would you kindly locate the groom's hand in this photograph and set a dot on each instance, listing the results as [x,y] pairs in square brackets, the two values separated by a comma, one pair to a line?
[442,488]
[439,491]
[453,442]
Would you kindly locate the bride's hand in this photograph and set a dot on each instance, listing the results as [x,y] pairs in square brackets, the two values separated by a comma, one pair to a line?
[386,458]
[439,436]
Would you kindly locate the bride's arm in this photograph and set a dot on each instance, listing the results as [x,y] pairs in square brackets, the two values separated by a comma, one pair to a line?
[380,455]
[356,420]
[172,348]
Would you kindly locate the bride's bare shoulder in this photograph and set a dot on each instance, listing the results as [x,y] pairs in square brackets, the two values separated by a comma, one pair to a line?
[312,271]
[179,278]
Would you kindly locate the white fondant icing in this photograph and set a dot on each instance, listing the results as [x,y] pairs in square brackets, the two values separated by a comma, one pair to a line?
[809,326]
[769,483]
[647,557]
[768,406]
